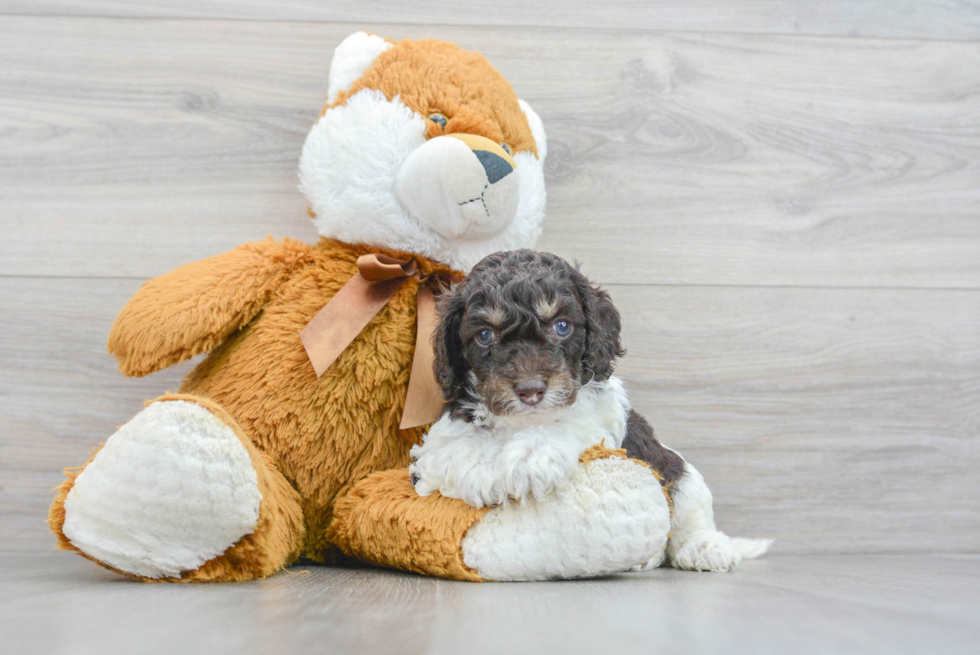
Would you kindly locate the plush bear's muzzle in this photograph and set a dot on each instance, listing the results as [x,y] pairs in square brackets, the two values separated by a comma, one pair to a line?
[463,186]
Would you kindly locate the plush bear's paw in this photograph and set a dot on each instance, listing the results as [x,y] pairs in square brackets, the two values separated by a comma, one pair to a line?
[611,517]
[707,550]
[172,489]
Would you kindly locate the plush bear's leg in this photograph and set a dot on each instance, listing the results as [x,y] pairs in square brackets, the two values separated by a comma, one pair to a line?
[180,493]
[383,520]
[612,517]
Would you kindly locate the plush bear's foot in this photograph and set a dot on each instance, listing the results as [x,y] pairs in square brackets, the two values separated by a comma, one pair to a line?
[175,489]
[170,490]
[708,550]
[612,517]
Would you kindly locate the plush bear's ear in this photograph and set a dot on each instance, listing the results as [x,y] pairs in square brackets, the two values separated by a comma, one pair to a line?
[353,56]
[537,129]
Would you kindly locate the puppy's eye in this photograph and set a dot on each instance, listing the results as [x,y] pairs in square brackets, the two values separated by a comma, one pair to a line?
[484,337]
[562,328]
[439,120]
[507,148]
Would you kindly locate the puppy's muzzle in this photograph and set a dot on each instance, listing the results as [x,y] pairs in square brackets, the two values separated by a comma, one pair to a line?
[463,186]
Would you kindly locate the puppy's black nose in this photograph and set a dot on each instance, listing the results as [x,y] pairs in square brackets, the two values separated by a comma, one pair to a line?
[530,391]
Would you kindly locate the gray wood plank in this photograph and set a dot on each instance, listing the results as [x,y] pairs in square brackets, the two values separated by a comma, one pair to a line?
[839,418]
[835,420]
[59,603]
[130,147]
[937,19]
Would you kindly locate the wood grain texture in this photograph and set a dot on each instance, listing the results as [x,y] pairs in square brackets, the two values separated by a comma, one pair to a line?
[59,603]
[835,420]
[936,19]
[847,420]
[699,159]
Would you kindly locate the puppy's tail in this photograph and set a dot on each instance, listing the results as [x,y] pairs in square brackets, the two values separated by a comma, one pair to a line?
[751,548]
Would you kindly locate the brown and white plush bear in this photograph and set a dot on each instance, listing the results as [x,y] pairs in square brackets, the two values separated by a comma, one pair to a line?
[423,154]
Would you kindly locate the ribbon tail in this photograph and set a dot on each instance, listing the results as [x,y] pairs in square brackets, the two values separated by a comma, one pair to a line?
[424,400]
[340,321]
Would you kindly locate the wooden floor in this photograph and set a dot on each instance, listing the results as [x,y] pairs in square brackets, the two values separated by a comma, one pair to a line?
[782,196]
[894,604]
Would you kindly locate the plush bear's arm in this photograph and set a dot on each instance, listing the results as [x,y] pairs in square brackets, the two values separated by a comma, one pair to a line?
[195,307]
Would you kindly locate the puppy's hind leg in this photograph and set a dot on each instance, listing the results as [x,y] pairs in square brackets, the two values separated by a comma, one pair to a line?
[695,543]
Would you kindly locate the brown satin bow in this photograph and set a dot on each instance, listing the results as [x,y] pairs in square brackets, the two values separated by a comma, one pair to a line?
[335,326]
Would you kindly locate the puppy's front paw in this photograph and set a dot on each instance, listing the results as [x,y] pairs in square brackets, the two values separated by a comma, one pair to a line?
[422,487]
[488,495]
[706,551]
[526,469]
[474,485]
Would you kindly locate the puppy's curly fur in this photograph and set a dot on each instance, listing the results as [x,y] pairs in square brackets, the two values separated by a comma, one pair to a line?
[520,296]
[525,354]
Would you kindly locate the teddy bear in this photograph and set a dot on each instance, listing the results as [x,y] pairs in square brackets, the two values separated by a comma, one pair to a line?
[291,438]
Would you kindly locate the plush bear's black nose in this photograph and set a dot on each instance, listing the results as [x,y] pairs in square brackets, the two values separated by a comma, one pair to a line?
[531,391]
[497,167]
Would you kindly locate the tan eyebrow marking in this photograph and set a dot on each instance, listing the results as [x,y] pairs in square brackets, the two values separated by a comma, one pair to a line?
[493,315]
[546,308]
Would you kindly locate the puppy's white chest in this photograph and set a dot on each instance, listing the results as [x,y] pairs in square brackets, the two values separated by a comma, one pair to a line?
[513,457]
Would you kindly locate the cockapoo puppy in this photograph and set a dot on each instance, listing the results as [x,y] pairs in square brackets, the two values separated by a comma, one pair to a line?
[524,354]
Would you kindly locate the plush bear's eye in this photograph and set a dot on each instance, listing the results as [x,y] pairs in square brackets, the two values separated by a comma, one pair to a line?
[439,120]
[506,148]
[562,328]
[484,337]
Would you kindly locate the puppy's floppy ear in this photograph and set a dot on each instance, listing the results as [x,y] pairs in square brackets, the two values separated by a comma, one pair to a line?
[449,364]
[602,324]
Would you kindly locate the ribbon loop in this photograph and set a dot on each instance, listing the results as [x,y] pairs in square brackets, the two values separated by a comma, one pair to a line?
[376,267]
